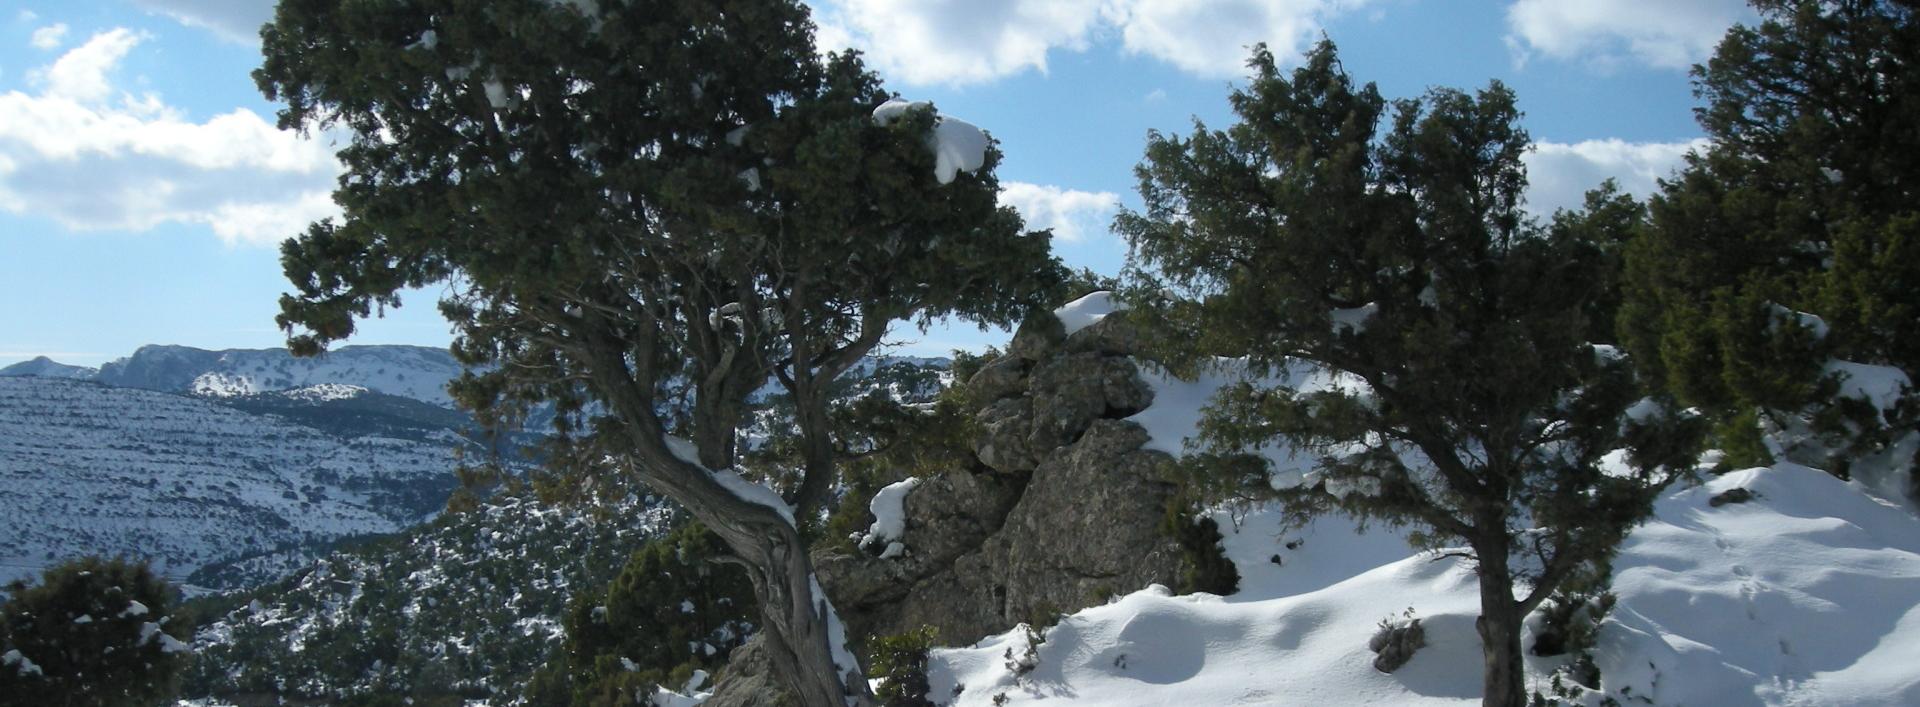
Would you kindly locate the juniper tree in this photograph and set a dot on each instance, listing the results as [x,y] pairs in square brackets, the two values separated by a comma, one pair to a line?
[630,202]
[92,632]
[1469,401]
[1804,202]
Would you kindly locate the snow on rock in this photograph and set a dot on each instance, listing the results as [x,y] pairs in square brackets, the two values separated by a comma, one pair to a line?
[958,146]
[134,608]
[1880,386]
[326,392]
[19,662]
[889,508]
[1084,312]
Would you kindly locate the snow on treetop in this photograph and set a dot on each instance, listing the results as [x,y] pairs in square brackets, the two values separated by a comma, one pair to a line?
[1082,313]
[958,146]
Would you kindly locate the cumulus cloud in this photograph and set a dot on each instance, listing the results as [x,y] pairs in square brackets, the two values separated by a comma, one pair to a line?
[975,41]
[1073,215]
[1211,37]
[49,37]
[1670,34]
[89,156]
[1560,174]
[233,20]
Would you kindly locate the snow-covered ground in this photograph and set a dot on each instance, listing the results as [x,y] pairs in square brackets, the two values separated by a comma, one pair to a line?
[1806,594]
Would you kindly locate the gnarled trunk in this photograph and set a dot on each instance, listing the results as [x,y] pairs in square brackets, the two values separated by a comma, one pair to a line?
[764,540]
[1503,683]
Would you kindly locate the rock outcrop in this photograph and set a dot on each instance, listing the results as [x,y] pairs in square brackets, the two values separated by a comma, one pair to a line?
[1062,511]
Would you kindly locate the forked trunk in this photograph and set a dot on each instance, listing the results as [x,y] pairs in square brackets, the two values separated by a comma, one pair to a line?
[798,639]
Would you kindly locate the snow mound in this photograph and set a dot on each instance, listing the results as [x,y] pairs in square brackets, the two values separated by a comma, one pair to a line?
[957,145]
[1807,593]
[889,508]
[1084,312]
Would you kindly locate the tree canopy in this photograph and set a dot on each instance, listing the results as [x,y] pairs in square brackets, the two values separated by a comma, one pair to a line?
[1791,240]
[628,203]
[1428,346]
[92,632]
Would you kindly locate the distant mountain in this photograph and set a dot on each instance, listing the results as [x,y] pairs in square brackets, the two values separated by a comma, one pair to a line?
[416,372]
[186,481]
[43,367]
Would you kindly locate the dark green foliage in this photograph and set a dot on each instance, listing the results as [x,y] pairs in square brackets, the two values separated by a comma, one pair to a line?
[97,631]
[634,204]
[417,600]
[1436,346]
[1804,202]
[901,662]
[672,600]
[1204,566]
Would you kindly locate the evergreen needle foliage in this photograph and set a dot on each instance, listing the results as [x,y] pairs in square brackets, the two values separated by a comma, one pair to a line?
[630,203]
[1468,397]
[1804,204]
[93,633]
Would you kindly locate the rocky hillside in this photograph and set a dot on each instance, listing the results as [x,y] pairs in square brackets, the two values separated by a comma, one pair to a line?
[189,482]
[468,605]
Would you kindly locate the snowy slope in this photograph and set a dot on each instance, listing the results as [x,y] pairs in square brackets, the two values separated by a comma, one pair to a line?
[1807,594]
[43,367]
[90,468]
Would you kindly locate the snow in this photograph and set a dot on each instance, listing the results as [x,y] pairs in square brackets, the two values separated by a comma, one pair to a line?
[1084,312]
[1175,414]
[1807,594]
[20,662]
[836,636]
[1880,386]
[732,481]
[957,145]
[134,608]
[84,619]
[1805,321]
[1353,319]
[326,392]
[889,508]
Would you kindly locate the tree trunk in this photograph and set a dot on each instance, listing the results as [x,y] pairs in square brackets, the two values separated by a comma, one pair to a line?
[766,542]
[776,561]
[1503,683]
[816,444]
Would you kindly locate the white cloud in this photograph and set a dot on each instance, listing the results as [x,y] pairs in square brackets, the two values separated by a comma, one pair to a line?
[1670,34]
[965,42]
[1072,214]
[91,157]
[233,20]
[1560,174]
[957,41]
[1211,37]
[49,37]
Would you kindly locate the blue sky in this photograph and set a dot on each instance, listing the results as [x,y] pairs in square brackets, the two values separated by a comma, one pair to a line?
[143,188]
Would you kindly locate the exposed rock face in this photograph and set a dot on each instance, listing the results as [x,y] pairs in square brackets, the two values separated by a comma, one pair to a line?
[1062,511]
[749,680]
